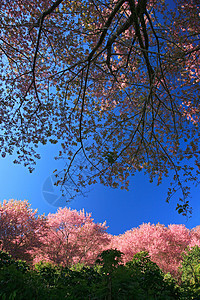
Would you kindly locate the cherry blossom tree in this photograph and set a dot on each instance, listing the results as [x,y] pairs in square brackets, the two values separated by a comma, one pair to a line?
[68,237]
[164,244]
[116,81]
[21,229]
[72,237]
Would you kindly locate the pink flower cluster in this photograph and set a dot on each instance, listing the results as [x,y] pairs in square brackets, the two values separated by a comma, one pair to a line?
[69,237]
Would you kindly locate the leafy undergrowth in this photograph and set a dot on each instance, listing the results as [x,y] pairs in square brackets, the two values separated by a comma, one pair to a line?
[109,278]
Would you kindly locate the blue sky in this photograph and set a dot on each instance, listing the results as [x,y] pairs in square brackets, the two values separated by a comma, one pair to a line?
[144,202]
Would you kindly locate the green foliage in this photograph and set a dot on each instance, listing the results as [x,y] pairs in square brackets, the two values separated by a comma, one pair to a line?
[109,259]
[109,279]
[191,266]
[7,260]
[15,284]
[18,281]
[138,279]
[190,273]
[48,272]
[111,156]
[151,280]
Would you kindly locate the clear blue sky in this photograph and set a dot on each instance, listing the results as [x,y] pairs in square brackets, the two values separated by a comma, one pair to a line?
[144,202]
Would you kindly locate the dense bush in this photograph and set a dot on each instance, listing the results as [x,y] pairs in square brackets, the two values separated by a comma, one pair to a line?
[190,274]
[107,279]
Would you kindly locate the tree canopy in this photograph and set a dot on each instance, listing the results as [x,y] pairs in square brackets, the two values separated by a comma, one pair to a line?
[116,82]
[69,237]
